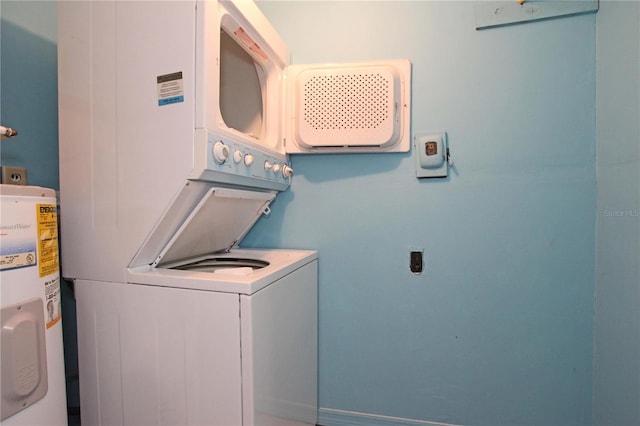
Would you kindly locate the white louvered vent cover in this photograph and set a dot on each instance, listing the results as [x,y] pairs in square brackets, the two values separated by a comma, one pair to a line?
[361,107]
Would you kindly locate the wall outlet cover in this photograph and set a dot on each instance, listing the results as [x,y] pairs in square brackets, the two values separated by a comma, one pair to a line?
[14,175]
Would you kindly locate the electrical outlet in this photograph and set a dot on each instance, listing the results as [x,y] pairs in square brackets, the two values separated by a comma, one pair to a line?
[14,175]
[416,262]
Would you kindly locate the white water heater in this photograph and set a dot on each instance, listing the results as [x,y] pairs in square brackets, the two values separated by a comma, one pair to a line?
[31,350]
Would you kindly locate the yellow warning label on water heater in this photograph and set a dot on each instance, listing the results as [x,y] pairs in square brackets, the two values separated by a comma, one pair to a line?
[47,238]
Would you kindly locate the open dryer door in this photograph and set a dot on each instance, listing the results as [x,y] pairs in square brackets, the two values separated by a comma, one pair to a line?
[349,108]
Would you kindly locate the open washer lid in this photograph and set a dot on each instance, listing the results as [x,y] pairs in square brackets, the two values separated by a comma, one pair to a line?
[218,221]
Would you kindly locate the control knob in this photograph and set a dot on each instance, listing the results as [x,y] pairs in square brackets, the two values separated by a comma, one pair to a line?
[248,160]
[220,152]
[287,171]
[268,166]
[237,156]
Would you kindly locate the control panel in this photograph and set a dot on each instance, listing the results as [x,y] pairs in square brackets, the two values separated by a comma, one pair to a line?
[239,161]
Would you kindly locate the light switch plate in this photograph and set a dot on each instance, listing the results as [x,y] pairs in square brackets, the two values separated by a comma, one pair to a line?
[430,150]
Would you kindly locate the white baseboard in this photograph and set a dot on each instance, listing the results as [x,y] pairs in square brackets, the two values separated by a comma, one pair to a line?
[330,417]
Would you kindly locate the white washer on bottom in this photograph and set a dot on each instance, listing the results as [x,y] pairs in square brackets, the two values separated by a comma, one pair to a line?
[196,338]
[178,347]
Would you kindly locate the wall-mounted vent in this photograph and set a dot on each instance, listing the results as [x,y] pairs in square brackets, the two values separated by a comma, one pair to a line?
[362,107]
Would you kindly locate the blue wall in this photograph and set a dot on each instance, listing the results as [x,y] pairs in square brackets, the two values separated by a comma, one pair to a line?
[617,325]
[29,88]
[498,329]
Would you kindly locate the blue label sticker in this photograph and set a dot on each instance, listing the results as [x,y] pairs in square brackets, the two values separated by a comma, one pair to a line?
[167,101]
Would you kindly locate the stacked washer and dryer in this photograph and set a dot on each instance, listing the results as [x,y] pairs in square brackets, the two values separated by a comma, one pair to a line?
[161,175]
[175,123]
